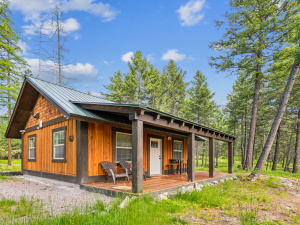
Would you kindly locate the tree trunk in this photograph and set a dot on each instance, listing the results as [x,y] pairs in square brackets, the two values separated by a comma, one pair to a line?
[9,113]
[249,161]
[245,141]
[277,119]
[288,159]
[276,150]
[242,142]
[297,146]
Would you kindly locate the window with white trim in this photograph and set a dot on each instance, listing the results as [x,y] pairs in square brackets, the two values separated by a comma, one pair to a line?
[177,149]
[31,147]
[123,146]
[59,143]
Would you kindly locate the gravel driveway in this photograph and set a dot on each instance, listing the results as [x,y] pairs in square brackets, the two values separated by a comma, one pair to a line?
[56,196]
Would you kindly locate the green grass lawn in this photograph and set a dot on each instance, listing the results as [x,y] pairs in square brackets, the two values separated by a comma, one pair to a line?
[242,201]
[223,167]
[16,166]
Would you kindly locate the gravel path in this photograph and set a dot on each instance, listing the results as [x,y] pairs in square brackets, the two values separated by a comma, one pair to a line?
[56,196]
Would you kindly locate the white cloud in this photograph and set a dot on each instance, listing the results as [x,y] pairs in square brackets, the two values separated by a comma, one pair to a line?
[190,14]
[150,58]
[76,71]
[127,57]
[76,36]
[97,94]
[69,25]
[174,55]
[105,62]
[32,9]
[24,47]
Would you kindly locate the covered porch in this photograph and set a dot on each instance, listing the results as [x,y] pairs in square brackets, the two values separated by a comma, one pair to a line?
[155,185]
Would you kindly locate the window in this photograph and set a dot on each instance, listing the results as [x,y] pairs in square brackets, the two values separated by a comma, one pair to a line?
[59,144]
[123,146]
[177,149]
[31,147]
[154,144]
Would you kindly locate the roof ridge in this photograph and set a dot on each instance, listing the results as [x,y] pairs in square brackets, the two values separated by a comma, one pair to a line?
[62,86]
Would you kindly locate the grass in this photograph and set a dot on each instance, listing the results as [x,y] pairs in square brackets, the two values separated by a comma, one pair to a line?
[12,210]
[16,166]
[238,199]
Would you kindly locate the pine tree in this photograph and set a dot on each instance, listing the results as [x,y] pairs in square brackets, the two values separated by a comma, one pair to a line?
[256,29]
[10,63]
[116,88]
[174,88]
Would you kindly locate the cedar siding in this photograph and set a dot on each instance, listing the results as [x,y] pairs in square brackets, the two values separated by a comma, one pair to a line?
[43,161]
[46,110]
[100,148]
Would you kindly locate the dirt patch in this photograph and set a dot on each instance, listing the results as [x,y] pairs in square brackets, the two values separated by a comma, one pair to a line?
[56,196]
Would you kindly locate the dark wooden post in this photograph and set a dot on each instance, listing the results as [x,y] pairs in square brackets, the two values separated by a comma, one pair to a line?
[230,157]
[211,157]
[137,156]
[191,157]
[82,151]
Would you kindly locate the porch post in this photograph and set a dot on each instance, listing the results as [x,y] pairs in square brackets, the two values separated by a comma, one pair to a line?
[230,157]
[191,157]
[211,157]
[137,156]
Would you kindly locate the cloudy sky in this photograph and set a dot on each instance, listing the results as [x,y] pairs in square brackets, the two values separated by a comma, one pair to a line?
[103,35]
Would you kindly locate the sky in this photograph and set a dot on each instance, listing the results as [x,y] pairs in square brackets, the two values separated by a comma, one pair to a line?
[103,35]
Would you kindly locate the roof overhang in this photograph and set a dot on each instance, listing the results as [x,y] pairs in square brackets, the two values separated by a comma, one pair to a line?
[157,118]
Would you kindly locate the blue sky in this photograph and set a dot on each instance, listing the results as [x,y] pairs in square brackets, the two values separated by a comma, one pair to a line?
[103,34]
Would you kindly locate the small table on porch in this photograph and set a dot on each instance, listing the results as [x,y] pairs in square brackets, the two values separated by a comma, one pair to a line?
[179,162]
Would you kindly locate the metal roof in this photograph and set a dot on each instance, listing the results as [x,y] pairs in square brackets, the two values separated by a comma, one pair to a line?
[63,97]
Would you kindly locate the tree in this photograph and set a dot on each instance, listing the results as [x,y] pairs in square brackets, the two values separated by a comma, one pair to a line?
[10,63]
[280,112]
[200,104]
[254,33]
[116,88]
[174,88]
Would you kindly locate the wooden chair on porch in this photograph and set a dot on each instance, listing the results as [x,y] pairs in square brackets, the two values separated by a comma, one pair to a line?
[126,165]
[111,172]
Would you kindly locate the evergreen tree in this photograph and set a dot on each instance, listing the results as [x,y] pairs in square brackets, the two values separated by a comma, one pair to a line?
[116,88]
[10,63]
[256,30]
[174,88]
[200,103]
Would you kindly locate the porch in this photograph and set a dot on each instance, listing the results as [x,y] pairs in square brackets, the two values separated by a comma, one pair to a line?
[155,185]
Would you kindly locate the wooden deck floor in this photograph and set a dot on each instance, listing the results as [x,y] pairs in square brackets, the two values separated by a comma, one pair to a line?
[156,183]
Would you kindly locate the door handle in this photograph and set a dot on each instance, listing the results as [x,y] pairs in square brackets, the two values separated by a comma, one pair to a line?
[159,157]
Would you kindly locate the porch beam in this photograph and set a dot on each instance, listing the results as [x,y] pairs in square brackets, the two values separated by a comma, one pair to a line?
[211,157]
[137,156]
[191,157]
[230,157]
[172,125]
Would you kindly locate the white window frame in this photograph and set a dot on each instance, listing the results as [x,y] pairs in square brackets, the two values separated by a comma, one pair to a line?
[58,145]
[122,147]
[31,148]
[181,151]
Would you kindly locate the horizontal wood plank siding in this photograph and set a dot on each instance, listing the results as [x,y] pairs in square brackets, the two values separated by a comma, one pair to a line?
[44,150]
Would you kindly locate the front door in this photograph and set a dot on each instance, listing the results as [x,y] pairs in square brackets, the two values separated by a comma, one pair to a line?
[155,156]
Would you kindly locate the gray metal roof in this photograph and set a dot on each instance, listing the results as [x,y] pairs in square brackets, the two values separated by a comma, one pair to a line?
[63,97]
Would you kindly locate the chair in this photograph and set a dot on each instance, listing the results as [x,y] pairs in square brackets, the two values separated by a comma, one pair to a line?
[111,172]
[126,165]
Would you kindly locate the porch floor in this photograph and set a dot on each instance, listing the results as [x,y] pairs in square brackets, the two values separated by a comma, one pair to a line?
[155,184]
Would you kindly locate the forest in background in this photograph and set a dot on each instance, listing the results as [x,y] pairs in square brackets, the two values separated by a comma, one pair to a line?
[260,47]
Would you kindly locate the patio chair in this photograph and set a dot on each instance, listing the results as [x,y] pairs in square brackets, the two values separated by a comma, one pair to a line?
[126,165]
[111,172]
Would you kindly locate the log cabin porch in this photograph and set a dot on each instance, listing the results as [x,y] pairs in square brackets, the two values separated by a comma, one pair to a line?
[155,185]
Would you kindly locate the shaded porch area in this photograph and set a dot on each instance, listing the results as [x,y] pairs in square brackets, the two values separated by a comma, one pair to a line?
[155,185]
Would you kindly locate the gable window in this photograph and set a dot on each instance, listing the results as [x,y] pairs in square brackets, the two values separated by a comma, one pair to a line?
[32,147]
[123,146]
[177,149]
[59,144]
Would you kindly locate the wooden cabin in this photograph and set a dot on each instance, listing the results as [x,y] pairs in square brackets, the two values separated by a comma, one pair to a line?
[66,134]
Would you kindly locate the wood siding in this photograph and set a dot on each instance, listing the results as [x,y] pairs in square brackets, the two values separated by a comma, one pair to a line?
[100,148]
[46,110]
[43,161]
